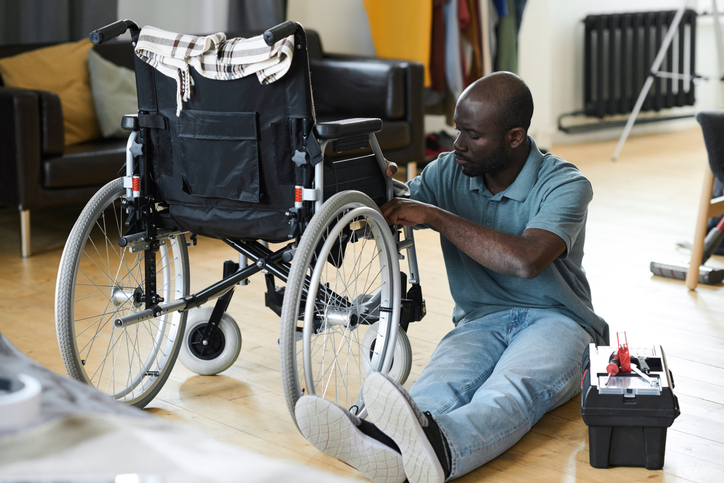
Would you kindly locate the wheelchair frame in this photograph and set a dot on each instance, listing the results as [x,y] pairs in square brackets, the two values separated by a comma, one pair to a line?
[325,230]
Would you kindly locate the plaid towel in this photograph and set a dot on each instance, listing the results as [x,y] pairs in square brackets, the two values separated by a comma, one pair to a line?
[212,56]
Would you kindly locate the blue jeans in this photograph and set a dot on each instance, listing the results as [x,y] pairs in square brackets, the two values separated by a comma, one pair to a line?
[491,379]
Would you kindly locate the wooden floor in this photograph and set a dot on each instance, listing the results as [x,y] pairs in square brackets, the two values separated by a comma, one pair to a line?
[643,205]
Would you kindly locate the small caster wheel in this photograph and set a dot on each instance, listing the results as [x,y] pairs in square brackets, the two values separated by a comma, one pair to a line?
[212,356]
[401,359]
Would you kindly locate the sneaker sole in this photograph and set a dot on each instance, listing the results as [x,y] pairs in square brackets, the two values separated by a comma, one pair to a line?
[390,411]
[330,430]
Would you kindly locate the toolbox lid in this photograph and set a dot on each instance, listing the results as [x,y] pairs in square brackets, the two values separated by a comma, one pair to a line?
[634,398]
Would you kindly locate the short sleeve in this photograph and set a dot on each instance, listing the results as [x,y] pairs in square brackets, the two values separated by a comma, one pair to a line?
[425,186]
[563,210]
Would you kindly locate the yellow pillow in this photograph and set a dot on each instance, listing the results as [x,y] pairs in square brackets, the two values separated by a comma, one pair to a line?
[63,70]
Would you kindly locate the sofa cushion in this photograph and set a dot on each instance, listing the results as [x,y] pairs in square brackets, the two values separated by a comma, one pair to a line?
[63,70]
[394,135]
[114,94]
[87,164]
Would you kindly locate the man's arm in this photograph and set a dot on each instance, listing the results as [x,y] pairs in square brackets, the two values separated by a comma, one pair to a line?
[524,256]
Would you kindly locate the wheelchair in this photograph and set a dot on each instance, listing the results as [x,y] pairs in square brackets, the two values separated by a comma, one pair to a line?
[245,163]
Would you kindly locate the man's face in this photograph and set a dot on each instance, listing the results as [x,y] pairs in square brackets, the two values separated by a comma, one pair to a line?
[480,147]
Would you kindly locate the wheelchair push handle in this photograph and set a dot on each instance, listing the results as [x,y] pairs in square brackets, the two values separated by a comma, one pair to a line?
[284,29]
[111,31]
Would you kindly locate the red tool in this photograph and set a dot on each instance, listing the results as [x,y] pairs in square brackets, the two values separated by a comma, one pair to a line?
[624,358]
[621,360]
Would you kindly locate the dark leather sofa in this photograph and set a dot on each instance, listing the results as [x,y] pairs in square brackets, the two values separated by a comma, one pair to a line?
[37,171]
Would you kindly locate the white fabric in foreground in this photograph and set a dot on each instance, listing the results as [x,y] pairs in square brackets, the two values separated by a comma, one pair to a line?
[213,57]
[84,436]
[78,446]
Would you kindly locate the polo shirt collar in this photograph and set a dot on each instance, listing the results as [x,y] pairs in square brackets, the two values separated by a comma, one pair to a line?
[525,181]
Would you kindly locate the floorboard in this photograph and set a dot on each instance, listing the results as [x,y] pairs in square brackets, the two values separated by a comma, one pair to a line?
[644,204]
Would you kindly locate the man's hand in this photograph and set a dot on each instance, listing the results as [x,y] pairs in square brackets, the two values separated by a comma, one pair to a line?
[401,211]
[391,169]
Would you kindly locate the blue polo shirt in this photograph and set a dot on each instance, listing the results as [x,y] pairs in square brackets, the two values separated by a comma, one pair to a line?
[549,194]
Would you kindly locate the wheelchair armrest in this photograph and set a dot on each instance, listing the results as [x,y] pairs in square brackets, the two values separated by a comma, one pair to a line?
[347,127]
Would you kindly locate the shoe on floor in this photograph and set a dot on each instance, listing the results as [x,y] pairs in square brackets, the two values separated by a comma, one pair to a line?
[425,452]
[336,432]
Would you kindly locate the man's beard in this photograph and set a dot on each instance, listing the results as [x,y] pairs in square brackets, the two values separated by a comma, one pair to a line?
[488,165]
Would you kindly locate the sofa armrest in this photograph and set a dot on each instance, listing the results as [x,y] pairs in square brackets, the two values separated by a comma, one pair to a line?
[52,131]
[352,87]
[20,149]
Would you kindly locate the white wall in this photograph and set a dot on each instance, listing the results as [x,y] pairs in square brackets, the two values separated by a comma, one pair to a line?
[183,16]
[342,24]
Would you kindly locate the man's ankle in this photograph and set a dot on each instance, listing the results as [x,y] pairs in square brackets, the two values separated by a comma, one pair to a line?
[439,443]
[369,428]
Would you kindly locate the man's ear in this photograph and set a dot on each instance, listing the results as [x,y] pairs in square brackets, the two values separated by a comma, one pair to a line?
[516,137]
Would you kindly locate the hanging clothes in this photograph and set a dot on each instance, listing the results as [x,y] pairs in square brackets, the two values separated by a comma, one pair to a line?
[486,52]
[501,6]
[437,47]
[510,35]
[519,7]
[453,60]
[471,34]
[457,41]
[402,29]
[507,58]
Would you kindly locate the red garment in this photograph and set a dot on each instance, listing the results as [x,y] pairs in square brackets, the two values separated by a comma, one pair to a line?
[463,14]
[437,46]
[471,33]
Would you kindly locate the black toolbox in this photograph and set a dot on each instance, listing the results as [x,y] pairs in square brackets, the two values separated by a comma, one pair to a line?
[627,413]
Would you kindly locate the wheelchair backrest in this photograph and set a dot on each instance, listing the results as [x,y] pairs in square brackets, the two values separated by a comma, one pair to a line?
[224,164]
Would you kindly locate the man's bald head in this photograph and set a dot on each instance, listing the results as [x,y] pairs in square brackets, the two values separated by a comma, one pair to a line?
[508,93]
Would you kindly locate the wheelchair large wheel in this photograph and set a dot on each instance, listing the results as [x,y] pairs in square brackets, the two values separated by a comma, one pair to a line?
[99,281]
[344,282]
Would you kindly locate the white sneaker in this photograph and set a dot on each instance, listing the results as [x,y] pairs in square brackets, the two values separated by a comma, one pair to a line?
[336,432]
[394,412]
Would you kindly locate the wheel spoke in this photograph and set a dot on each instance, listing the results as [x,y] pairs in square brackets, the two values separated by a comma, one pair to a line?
[352,280]
[98,282]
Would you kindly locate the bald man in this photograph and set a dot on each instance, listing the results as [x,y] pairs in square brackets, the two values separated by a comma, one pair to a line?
[512,228]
